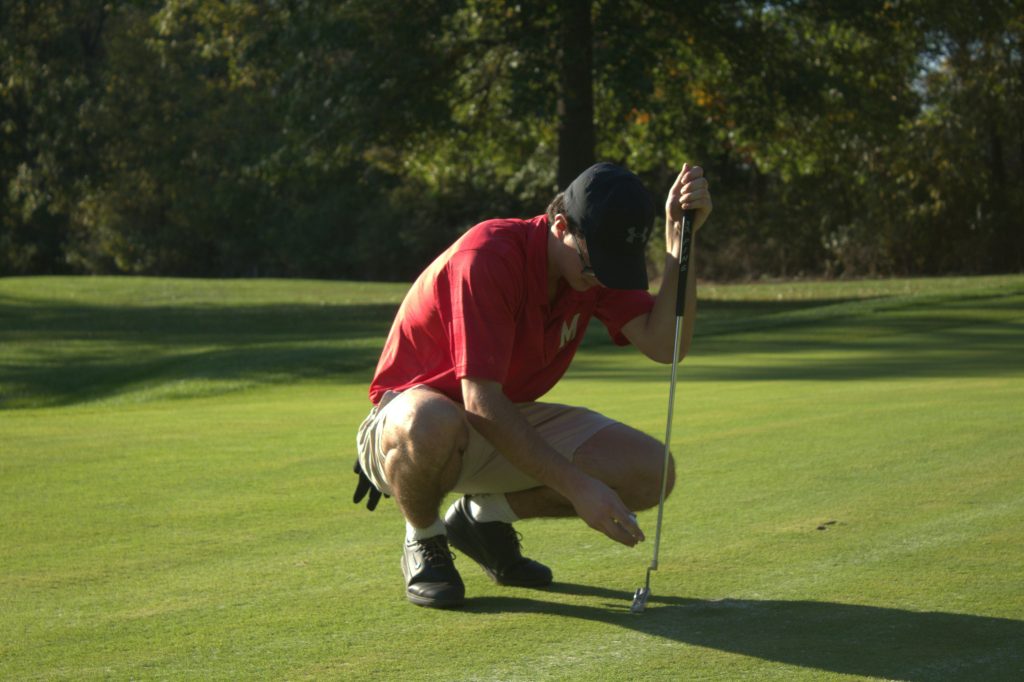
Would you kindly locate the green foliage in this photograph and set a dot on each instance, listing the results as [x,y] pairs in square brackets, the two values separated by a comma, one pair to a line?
[355,139]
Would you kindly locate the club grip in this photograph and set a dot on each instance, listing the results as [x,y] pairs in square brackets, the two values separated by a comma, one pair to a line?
[684,261]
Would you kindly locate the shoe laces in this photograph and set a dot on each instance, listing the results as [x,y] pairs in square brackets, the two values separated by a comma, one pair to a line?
[435,551]
[515,537]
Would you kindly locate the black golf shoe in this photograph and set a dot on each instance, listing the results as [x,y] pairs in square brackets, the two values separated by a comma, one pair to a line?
[430,575]
[495,546]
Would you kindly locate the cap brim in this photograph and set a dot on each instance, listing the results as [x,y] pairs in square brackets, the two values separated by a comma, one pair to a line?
[620,270]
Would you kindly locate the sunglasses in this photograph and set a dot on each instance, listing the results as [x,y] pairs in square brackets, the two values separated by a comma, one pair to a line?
[588,271]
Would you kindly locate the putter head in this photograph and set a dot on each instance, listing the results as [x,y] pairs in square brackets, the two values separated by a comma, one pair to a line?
[640,599]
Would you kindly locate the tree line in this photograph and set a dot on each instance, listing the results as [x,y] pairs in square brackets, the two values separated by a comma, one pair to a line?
[355,139]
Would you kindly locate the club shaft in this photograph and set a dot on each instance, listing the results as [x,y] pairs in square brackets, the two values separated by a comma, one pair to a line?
[668,440]
[684,268]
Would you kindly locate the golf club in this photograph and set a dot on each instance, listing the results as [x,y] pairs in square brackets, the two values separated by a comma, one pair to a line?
[642,594]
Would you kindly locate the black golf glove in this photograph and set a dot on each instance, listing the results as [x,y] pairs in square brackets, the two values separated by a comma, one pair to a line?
[365,486]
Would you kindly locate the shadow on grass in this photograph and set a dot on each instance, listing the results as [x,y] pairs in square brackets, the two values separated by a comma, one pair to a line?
[64,353]
[839,638]
[191,325]
[949,336]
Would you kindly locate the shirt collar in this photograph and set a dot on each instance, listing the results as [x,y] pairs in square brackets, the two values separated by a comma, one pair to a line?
[537,261]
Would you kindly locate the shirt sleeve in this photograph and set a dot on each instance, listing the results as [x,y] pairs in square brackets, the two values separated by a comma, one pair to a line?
[486,292]
[617,307]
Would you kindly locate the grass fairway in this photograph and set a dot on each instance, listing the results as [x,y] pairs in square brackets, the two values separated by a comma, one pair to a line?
[175,493]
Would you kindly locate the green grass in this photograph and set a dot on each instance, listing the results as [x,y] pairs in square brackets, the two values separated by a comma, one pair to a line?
[175,492]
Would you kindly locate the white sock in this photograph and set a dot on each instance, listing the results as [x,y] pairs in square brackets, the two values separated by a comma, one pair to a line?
[491,507]
[413,533]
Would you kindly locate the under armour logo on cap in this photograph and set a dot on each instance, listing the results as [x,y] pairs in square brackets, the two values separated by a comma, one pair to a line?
[634,234]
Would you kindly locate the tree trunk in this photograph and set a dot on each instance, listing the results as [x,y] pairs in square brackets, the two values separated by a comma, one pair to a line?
[576,99]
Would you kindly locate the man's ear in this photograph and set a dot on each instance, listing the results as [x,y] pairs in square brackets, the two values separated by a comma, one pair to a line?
[561,225]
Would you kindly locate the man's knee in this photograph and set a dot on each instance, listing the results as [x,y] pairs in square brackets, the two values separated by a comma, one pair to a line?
[629,461]
[671,483]
[426,426]
[648,482]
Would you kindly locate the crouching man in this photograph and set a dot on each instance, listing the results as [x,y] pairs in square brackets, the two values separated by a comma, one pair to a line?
[485,331]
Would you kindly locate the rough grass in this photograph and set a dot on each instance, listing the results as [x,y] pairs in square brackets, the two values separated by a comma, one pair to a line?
[175,493]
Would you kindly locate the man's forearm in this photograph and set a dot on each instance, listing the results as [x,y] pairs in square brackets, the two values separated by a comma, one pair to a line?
[497,419]
[657,334]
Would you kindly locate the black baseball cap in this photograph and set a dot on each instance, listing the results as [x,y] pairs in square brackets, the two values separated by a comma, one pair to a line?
[616,213]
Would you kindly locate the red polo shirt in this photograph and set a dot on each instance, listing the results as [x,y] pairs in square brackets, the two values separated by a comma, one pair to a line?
[481,310]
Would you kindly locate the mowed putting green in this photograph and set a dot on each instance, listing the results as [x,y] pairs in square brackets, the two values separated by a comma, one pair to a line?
[175,492]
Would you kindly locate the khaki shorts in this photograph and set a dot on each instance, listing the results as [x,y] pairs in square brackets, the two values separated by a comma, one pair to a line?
[484,469]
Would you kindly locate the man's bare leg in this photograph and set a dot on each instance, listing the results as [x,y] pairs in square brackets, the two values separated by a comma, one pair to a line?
[628,461]
[424,438]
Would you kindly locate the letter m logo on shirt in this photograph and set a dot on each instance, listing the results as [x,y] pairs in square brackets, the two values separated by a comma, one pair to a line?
[569,331]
